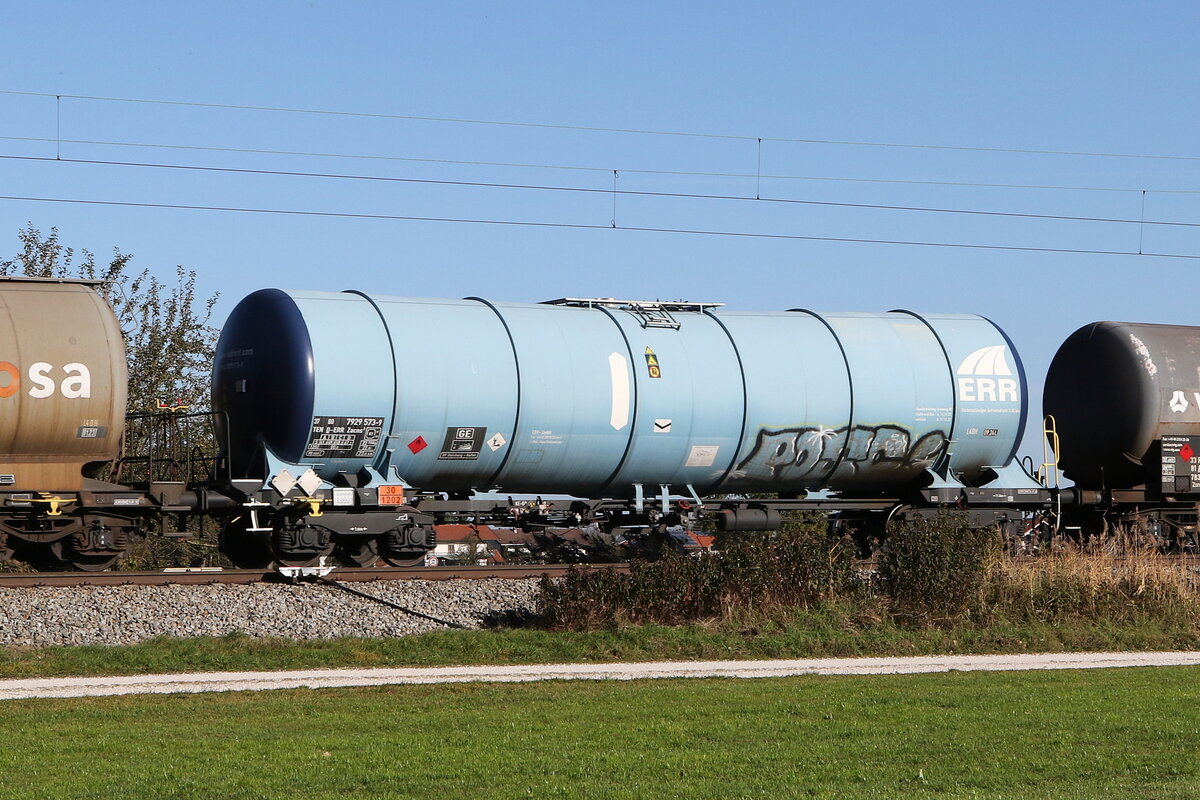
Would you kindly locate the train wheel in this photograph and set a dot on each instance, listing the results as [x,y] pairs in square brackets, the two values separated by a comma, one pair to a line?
[301,546]
[357,551]
[406,547]
[40,557]
[404,559]
[94,548]
[84,562]
[297,560]
[245,550]
[93,563]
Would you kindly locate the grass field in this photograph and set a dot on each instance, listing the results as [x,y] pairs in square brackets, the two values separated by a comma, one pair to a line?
[831,631]
[1073,734]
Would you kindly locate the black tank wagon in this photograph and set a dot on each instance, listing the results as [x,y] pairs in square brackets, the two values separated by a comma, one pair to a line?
[1124,400]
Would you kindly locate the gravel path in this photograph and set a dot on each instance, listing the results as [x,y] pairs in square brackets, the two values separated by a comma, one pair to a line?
[115,615]
[327,678]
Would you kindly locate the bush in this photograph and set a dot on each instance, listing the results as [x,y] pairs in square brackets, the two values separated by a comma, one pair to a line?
[934,569]
[798,568]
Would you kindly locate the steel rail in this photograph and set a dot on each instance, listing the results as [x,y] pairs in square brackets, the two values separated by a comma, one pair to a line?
[208,576]
[202,576]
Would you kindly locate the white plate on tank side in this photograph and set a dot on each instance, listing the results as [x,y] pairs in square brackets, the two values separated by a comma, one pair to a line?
[702,455]
[618,367]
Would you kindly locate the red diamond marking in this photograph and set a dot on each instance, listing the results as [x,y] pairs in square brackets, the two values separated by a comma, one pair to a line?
[1186,452]
[417,445]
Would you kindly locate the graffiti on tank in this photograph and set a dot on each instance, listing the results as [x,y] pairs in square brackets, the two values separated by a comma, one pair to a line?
[811,453]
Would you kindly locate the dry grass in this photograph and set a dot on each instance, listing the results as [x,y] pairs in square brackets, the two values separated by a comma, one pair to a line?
[1121,577]
[932,573]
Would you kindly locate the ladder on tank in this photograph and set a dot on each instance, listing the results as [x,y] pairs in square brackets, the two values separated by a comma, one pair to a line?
[1047,473]
[651,313]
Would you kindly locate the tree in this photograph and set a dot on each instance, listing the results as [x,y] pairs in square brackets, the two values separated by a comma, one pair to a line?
[169,340]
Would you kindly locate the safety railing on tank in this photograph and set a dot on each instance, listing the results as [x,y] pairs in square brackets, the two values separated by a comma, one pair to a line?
[650,313]
[172,445]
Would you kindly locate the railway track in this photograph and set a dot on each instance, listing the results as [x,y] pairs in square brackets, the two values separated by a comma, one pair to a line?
[197,576]
[203,575]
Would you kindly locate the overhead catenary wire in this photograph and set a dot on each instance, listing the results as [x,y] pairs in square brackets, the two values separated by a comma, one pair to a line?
[587,168]
[614,191]
[601,129]
[598,227]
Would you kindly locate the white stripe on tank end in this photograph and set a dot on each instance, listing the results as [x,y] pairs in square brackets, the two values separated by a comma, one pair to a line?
[618,367]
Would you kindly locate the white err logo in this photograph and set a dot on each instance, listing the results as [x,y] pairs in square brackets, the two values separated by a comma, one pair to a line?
[987,369]
[76,384]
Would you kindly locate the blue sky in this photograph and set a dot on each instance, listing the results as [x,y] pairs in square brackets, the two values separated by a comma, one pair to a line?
[990,78]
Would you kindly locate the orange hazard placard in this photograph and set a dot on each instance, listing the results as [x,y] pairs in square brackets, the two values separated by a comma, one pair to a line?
[652,365]
[391,495]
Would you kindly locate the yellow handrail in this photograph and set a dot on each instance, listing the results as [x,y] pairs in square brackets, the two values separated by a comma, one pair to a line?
[1048,472]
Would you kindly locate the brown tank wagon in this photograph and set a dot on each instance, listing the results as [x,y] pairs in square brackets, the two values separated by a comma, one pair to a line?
[63,381]
[62,384]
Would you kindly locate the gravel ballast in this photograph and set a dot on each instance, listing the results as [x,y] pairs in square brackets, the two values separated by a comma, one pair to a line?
[116,615]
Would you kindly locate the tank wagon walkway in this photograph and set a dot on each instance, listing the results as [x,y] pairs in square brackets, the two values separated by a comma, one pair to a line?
[330,678]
